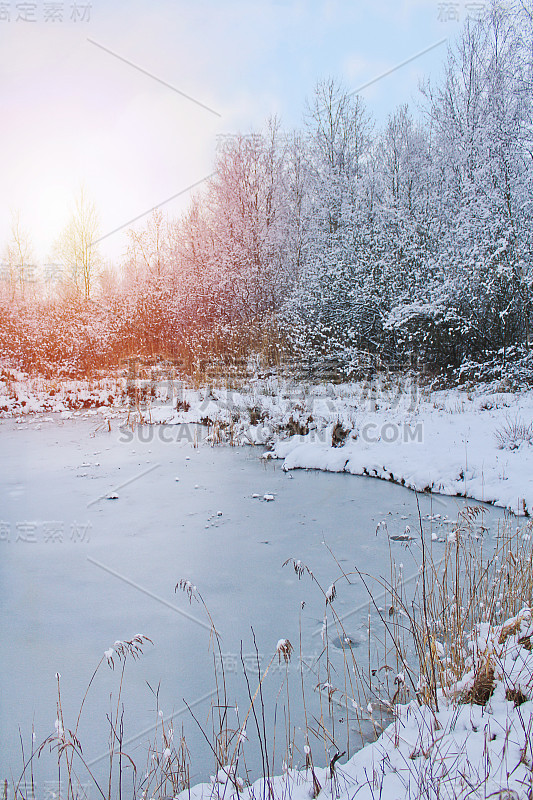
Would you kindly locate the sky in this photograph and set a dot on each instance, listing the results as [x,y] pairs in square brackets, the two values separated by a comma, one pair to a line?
[127,98]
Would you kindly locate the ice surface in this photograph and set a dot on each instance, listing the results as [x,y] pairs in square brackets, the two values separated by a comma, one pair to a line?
[79,572]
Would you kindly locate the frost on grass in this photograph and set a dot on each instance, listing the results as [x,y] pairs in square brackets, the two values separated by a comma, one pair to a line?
[188,588]
[331,594]
[128,647]
[284,649]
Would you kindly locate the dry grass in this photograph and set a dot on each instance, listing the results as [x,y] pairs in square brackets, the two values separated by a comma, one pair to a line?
[466,585]
[483,685]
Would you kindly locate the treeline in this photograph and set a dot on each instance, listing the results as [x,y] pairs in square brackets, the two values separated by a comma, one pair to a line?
[336,242]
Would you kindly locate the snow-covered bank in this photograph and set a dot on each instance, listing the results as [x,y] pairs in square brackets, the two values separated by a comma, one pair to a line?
[453,444]
[476,444]
[477,745]
[21,394]
[473,444]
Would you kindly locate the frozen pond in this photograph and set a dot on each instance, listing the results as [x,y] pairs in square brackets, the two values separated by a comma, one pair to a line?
[80,570]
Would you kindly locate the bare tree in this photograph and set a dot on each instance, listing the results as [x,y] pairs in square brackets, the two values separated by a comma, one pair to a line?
[148,258]
[77,246]
[19,256]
